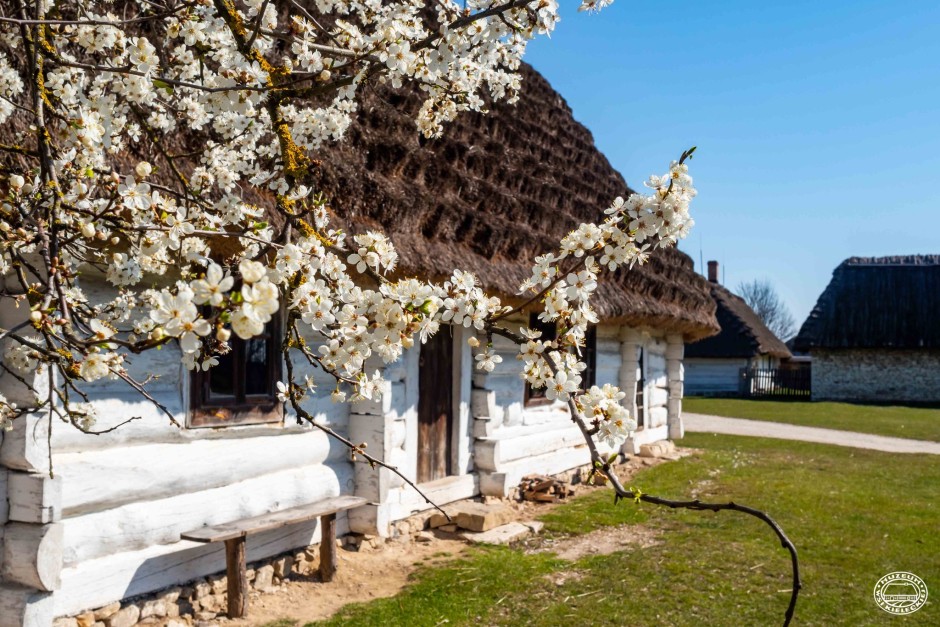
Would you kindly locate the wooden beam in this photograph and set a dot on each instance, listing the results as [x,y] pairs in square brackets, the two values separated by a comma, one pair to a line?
[237,577]
[274,520]
[32,555]
[327,547]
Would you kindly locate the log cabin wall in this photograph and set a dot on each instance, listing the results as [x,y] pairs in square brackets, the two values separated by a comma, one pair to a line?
[114,512]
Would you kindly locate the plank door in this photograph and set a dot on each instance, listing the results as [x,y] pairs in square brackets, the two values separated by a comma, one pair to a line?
[435,407]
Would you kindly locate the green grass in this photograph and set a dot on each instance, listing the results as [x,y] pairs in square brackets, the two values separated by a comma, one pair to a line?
[918,423]
[854,515]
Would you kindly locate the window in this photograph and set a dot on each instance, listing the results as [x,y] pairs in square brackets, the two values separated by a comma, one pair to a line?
[589,353]
[640,391]
[242,388]
[536,396]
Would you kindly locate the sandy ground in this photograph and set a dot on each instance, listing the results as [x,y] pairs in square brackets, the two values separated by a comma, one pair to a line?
[360,576]
[373,573]
[760,428]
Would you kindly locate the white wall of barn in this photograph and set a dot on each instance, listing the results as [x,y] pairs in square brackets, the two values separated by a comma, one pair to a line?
[119,501]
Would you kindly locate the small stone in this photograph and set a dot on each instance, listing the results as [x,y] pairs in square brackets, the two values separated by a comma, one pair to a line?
[451,528]
[176,622]
[201,589]
[85,619]
[172,610]
[250,574]
[503,534]
[479,517]
[107,611]
[65,622]
[313,553]
[264,577]
[155,608]
[282,566]
[99,624]
[151,621]
[124,617]
[219,584]
[172,595]
[424,536]
[212,602]
[204,616]
[534,526]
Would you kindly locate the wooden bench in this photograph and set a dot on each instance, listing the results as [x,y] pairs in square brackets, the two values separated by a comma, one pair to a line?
[234,535]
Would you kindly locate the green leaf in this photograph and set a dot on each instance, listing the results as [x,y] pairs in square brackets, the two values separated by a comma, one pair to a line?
[163,85]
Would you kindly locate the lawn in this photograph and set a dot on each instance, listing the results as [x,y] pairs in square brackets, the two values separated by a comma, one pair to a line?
[918,423]
[854,515]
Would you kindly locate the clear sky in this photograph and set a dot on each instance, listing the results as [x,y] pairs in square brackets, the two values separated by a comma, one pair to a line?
[817,123]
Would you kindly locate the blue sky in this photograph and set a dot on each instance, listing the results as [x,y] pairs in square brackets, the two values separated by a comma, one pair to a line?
[816,123]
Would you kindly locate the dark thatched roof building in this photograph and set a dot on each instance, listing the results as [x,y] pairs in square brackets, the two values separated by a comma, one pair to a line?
[495,191]
[874,333]
[712,365]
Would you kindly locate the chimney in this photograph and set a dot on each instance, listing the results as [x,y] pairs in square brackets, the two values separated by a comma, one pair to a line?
[713,271]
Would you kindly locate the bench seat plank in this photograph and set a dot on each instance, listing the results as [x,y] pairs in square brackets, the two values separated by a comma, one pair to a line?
[274,520]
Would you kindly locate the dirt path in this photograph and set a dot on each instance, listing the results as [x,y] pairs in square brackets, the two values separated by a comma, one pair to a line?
[760,428]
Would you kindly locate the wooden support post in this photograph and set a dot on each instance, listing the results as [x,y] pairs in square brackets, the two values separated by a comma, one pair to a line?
[327,547]
[237,577]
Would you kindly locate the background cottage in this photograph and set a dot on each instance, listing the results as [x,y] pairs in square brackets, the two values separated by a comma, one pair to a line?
[874,334]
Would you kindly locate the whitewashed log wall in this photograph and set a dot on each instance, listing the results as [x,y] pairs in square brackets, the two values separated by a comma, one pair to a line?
[713,376]
[108,526]
[513,441]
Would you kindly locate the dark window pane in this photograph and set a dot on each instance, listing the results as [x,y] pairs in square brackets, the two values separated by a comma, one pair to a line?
[256,367]
[222,378]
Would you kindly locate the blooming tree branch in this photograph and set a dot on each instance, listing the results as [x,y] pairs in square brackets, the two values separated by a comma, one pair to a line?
[167,148]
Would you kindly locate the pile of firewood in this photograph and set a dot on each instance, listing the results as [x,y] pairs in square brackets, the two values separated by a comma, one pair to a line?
[543,489]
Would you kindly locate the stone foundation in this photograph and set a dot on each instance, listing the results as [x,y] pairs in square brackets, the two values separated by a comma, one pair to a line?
[876,375]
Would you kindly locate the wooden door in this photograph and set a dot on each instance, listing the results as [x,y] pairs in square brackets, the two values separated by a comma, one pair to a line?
[435,407]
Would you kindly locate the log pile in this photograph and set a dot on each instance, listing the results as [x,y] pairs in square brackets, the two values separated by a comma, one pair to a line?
[543,489]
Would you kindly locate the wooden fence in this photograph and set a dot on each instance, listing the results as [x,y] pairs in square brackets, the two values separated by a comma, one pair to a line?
[792,381]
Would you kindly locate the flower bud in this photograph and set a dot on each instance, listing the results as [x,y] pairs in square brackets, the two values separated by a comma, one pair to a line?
[325,75]
[17,182]
[223,334]
[88,229]
[143,170]
[473,341]
[35,316]
[157,334]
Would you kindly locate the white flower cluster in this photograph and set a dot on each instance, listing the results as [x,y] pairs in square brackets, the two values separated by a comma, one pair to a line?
[174,157]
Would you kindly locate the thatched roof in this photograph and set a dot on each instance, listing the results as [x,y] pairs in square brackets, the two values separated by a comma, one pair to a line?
[877,302]
[743,333]
[495,191]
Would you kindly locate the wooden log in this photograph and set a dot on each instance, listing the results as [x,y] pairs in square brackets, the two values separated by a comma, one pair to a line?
[237,577]
[156,471]
[25,446]
[146,523]
[494,453]
[32,555]
[327,547]
[34,498]
[25,607]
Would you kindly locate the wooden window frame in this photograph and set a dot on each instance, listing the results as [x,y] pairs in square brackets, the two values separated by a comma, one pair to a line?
[536,397]
[244,409]
[640,396]
[589,376]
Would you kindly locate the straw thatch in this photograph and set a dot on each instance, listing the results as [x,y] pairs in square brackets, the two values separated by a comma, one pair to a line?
[877,302]
[743,333]
[495,191]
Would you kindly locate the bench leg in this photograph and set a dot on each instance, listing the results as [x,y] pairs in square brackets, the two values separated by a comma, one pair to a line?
[327,547]
[237,577]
